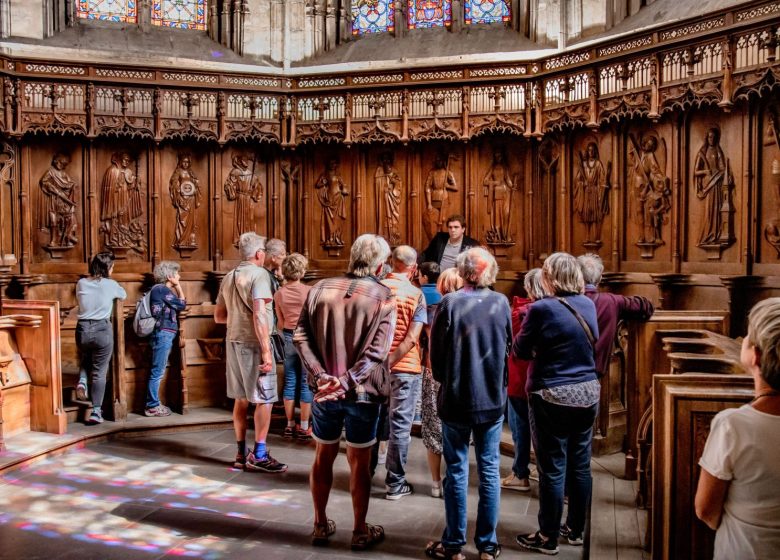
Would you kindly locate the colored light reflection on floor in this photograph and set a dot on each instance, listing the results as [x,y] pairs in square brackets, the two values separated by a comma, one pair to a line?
[98,498]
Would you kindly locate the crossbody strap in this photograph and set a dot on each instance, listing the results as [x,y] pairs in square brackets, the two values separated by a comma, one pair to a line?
[238,294]
[585,326]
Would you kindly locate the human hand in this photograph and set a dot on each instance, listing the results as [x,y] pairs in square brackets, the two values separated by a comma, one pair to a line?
[328,389]
[266,364]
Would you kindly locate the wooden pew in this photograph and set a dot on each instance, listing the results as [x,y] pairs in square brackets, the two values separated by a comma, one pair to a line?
[683,408]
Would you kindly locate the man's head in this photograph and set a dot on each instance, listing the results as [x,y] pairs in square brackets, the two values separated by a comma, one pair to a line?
[251,247]
[404,259]
[592,268]
[429,272]
[275,251]
[369,252]
[60,161]
[456,227]
[477,267]
[533,284]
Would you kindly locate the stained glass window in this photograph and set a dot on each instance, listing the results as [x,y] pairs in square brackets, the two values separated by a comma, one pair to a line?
[372,16]
[184,14]
[108,10]
[429,13]
[487,11]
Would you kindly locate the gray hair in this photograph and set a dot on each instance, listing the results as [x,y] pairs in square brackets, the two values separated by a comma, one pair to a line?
[250,243]
[367,253]
[165,270]
[561,275]
[592,268]
[405,255]
[533,284]
[477,267]
[764,334]
[275,247]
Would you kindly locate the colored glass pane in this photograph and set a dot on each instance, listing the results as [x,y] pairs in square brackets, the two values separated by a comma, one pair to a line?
[372,16]
[183,14]
[108,10]
[429,13]
[487,11]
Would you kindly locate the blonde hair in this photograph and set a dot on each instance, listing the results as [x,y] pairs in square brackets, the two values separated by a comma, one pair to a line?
[294,266]
[478,267]
[764,334]
[449,281]
[562,275]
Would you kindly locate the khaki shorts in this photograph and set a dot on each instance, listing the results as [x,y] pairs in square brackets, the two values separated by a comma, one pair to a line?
[243,379]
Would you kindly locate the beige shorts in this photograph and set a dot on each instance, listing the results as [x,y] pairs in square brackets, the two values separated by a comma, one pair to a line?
[243,379]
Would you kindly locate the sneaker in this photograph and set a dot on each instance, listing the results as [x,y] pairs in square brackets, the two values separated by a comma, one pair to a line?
[490,553]
[436,490]
[240,461]
[404,490]
[95,418]
[537,543]
[573,538]
[267,465]
[303,435]
[81,392]
[159,410]
[289,432]
[513,483]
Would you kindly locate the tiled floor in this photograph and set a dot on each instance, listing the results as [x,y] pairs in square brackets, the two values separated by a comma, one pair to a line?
[173,495]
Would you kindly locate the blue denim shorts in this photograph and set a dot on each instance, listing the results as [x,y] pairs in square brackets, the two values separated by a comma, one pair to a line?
[359,420]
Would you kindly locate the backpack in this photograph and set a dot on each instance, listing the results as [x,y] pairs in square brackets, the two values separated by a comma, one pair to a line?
[144,322]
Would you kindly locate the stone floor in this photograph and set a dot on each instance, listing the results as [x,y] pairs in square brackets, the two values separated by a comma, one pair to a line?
[172,495]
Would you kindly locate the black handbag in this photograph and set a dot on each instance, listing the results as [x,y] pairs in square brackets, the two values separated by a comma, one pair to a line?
[277,344]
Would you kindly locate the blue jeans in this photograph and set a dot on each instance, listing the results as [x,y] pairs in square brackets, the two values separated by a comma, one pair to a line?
[455,439]
[517,409]
[295,381]
[162,342]
[358,420]
[562,440]
[400,415]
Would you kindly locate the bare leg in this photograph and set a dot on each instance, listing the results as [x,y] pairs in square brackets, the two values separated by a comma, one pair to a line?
[262,421]
[359,484]
[321,479]
[239,418]
[305,411]
[289,409]
[434,463]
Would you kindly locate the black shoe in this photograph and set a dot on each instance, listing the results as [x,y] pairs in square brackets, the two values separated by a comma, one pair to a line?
[267,464]
[240,461]
[404,490]
[535,542]
[574,539]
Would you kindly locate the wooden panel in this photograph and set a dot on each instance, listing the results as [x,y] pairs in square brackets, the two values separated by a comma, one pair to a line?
[684,406]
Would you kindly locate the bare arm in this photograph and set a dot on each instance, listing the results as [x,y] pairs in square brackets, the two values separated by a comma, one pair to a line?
[710,496]
[411,338]
[262,333]
[220,312]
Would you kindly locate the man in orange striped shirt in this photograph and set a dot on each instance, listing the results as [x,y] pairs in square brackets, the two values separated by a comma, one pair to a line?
[405,367]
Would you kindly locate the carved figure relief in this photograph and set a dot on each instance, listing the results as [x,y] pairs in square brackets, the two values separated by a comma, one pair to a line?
[772,229]
[245,189]
[714,184]
[591,193]
[184,190]
[57,212]
[332,195]
[499,188]
[439,183]
[387,187]
[651,192]
[121,207]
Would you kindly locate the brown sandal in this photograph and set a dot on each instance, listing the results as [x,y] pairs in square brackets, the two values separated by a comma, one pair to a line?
[374,535]
[322,532]
[436,549]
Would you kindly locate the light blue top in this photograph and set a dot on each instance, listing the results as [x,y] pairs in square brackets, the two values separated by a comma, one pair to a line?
[96,297]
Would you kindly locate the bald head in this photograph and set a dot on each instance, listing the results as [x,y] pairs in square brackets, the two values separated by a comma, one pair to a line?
[404,258]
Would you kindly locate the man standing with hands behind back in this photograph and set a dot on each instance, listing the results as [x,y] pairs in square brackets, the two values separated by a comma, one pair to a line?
[245,305]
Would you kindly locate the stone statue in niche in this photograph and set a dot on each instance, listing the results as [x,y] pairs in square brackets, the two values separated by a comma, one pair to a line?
[121,207]
[714,184]
[57,213]
[184,190]
[499,188]
[591,193]
[245,189]
[438,186]
[651,191]
[387,187]
[332,195]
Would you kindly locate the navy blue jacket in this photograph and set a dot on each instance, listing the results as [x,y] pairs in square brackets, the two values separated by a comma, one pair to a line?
[554,339]
[470,339]
[165,307]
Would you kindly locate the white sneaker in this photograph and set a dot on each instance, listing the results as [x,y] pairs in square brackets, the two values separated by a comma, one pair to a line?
[513,483]
[436,490]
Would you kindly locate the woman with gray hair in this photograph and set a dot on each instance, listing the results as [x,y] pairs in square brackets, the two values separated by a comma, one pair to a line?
[166,299]
[559,334]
